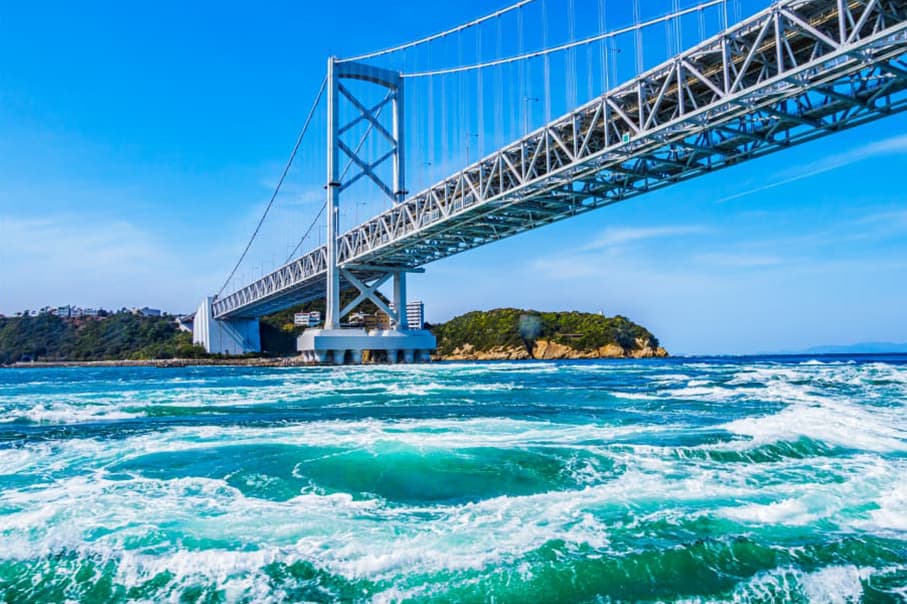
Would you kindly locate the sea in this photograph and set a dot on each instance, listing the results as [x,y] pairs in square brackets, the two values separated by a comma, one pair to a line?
[745,479]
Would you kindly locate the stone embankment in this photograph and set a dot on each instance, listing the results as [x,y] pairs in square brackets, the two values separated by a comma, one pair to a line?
[172,363]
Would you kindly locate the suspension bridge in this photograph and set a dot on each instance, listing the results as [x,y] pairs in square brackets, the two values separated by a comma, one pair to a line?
[704,87]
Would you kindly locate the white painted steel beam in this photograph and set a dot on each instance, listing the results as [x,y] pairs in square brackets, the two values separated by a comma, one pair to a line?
[797,71]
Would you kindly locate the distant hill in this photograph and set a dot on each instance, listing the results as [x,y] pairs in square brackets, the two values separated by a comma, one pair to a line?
[116,337]
[511,333]
[861,348]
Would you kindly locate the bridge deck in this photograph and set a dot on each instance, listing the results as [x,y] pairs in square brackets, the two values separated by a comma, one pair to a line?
[797,71]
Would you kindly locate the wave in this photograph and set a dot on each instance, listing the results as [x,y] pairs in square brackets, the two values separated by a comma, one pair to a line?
[640,481]
[837,423]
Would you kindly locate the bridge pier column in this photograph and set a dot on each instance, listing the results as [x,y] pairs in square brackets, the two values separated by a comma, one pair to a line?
[332,301]
[224,336]
[400,300]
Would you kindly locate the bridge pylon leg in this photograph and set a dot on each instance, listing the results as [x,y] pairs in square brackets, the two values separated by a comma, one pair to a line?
[332,306]
[400,300]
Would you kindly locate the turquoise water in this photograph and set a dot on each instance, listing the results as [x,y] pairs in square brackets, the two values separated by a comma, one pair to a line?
[750,480]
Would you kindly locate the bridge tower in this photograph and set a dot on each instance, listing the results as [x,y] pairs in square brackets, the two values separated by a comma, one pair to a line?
[334,344]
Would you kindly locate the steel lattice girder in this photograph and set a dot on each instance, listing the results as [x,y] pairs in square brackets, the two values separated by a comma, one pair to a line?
[797,71]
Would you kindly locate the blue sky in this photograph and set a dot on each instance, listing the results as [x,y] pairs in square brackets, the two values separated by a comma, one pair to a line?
[139,144]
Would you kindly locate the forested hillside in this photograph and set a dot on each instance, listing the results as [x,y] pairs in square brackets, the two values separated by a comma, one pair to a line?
[118,336]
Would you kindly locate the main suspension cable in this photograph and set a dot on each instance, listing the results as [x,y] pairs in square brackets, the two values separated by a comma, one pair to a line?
[440,35]
[565,46]
[283,176]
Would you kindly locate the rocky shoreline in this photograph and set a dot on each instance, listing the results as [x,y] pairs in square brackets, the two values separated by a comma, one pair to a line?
[169,363]
[546,350]
[543,350]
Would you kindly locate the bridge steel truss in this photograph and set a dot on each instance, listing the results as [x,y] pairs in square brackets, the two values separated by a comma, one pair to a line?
[797,71]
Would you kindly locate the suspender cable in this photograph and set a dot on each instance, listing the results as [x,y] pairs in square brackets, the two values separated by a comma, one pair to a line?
[547,62]
[678,29]
[572,77]
[521,76]
[500,128]
[440,35]
[590,82]
[283,176]
[480,100]
[637,19]
[562,47]
[606,84]
[307,233]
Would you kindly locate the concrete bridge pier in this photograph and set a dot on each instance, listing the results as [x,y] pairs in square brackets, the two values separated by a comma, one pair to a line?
[347,346]
[224,336]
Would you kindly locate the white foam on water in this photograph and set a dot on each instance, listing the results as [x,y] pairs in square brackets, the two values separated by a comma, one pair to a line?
[346,536]
[130,520]
[701,393]
[15,461]
[865,495]
[835,584]
[786,511]
[63,413]
[634,396]
[832,422]
[353,538]
[819,404]
[433,433]
[891,514]
[132,398]
[435,387]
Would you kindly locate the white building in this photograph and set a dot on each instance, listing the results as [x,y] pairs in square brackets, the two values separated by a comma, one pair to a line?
[307,319]
[147,312]
[415,314]
[65,312]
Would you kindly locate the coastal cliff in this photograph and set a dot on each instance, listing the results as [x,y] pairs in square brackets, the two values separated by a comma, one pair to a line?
[514,334]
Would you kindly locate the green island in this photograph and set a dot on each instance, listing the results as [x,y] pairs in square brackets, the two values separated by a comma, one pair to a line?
[514,334]
[499,334]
